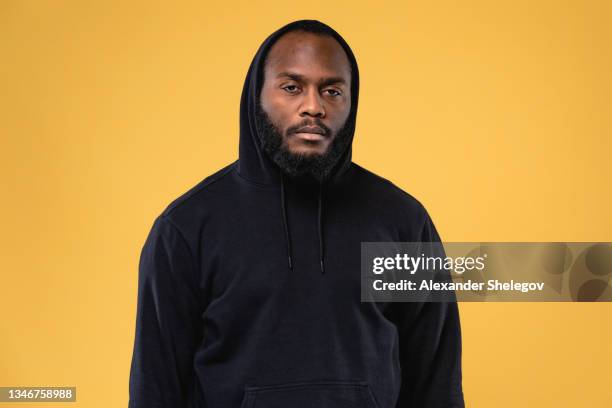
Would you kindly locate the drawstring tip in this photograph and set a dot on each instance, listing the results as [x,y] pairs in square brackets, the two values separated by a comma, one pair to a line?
[290,264]
[322,268]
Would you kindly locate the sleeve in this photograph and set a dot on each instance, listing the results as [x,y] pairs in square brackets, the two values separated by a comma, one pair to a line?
[429,348]
[168,322]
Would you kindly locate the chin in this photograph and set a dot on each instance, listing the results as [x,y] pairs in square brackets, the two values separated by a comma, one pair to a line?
[307,152]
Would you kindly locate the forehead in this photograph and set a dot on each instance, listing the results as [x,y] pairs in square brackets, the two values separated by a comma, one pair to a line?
[302,52]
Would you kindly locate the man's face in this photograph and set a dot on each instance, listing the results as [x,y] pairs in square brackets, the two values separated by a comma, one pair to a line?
[305,101]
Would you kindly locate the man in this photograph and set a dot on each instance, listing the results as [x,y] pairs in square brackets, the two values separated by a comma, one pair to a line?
[249,283]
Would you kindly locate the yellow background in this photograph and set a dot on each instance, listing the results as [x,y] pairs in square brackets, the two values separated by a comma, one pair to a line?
[495,114]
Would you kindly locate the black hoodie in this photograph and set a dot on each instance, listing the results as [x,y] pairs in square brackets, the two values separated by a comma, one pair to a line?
[249,290]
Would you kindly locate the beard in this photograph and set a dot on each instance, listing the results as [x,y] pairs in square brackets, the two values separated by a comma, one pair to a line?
[301,166]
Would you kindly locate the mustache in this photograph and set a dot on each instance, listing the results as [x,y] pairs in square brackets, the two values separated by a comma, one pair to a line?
[315,123]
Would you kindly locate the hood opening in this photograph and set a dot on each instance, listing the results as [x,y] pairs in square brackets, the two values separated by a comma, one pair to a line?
[254,164]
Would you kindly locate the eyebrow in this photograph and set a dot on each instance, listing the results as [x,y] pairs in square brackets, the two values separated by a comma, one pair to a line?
[322,82]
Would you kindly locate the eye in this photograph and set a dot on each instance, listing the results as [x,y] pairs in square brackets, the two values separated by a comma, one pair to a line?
[290,88]
[333,93]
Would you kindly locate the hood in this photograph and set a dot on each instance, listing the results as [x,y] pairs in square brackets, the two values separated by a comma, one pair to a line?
[253,163]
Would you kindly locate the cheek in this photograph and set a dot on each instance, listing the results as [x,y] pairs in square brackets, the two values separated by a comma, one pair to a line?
[341,117]
[277,108]
[280,114]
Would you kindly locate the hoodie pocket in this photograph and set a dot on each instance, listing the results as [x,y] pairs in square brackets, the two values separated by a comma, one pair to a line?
[319,394]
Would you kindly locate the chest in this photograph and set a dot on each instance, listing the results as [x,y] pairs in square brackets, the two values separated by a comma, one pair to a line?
[245,254]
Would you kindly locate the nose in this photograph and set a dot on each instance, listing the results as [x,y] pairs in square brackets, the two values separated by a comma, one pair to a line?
[312,105]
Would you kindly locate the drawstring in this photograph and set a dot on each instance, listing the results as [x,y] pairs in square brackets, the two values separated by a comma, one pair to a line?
[321,228]
[286,224]
[319,225]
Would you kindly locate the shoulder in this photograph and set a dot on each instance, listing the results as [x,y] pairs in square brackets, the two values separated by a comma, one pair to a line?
[197,200]
[387,192]
[405,210]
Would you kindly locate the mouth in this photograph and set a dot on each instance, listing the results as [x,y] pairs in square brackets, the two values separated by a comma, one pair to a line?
[310,133]
[311,137]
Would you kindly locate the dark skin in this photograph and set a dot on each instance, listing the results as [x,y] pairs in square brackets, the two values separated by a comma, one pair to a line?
[306,90]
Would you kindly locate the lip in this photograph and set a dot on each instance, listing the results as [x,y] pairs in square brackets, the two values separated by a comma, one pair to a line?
[313,137]
[311,129]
